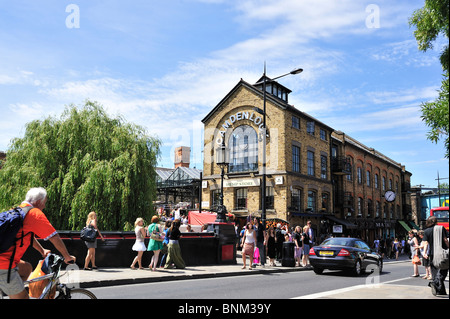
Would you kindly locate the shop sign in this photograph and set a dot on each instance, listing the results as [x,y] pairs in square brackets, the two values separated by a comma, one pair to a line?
[278,180]
[242,182]
[337,229]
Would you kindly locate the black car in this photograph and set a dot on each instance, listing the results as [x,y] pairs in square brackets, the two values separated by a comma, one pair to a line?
[342,253]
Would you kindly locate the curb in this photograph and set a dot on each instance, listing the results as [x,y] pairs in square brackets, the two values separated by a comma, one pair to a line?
[131,281]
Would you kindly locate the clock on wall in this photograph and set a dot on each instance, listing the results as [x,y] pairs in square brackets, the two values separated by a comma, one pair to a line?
[389,196]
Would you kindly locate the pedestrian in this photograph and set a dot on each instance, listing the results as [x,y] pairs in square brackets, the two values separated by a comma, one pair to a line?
[388,247]
[432,241]
[306,246]
[396,247]
[260,240]
[241,235]
[425,261]
[167,226]
[403,244]
[376,244]
[271,253]
[154,245]
[174,258]
[279,240]
[415,252]
[312,238]
[298,249]
[382,247]
[248,244]
[35,222]
[92,245]
[139,244]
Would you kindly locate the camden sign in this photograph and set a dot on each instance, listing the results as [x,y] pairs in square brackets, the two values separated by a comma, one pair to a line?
[239,116]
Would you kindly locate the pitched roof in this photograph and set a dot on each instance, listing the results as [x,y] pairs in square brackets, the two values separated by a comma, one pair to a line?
[280,103]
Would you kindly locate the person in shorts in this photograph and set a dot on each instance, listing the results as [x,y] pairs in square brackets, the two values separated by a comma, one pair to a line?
[36,223]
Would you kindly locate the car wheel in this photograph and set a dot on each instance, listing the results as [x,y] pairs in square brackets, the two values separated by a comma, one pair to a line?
[357,269]
[318,271]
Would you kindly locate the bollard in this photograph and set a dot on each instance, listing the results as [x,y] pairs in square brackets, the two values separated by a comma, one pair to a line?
[288,259]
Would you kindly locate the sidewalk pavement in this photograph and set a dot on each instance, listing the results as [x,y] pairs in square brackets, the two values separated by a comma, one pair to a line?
[104,277]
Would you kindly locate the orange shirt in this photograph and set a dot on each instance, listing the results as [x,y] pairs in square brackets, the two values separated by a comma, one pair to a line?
[36,222]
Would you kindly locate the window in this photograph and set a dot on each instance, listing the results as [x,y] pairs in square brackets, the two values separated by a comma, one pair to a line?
[377,209]
[295,158]
[362,245]
[359,175]
[243,145]
[368,178]
[241,198]
[296,200]
[310,127]
[323,167]
[369,208]
[350,169]
[295,122]
[323,134]
[310,163]
[376,181]
[269,197]
[215,198]
[360,206]
[325,201]
[383,183]
[312,201]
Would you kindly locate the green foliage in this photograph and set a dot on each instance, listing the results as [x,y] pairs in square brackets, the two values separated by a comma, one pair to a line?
[436,116]
[431,21]
[87,161]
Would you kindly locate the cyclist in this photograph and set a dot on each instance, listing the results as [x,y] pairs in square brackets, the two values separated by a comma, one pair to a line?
[36,223]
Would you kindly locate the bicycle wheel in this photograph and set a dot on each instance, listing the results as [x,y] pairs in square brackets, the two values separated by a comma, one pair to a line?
[77,293]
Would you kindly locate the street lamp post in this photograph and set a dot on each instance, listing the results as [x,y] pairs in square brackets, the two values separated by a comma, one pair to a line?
[263,186]
[222,160]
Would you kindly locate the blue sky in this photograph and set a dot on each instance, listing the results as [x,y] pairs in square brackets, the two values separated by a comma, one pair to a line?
[165,64]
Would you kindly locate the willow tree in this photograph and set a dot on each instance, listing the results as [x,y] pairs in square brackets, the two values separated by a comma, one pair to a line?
[87,161]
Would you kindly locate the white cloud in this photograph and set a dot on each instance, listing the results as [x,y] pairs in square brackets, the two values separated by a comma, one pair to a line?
[403,96]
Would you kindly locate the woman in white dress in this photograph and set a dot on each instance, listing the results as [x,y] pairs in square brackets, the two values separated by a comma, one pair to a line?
[139,245]
[248,244]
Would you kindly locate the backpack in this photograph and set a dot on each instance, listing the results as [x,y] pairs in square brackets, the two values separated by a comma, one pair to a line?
[440,255]
[11,222]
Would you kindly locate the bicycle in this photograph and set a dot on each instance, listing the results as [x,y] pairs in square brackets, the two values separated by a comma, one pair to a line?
[62,290]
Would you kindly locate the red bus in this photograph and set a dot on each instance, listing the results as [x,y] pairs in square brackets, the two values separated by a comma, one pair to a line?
[441,214]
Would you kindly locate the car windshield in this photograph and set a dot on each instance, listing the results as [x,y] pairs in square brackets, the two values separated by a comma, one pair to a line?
[338,242]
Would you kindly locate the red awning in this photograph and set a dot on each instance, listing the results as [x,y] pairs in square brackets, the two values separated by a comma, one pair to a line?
[196,218]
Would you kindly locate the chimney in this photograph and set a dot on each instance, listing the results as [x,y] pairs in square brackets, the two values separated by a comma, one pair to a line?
[182,156]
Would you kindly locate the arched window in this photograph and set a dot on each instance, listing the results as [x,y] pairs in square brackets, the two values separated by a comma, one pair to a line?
[243,144]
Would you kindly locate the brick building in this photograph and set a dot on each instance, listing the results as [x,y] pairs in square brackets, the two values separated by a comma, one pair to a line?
[308,164]
[361,177]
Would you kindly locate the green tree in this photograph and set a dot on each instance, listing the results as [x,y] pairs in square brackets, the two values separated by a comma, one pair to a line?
[431,21]
[87,161]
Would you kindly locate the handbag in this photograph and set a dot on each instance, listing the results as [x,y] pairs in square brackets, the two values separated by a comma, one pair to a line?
[88,234]
[416,260]
[156,235]
[440,255]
